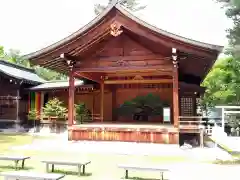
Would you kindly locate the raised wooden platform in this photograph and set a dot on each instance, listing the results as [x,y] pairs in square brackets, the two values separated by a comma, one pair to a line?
[152,133]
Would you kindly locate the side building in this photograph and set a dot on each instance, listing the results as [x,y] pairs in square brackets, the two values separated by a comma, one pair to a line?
[14,82]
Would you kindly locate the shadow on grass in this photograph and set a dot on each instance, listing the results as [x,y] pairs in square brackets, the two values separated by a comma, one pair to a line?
[10,167]
[7,134]
[71,172]
[138,178]
[6,139]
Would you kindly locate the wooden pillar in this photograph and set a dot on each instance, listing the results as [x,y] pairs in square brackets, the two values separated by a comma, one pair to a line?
[114,103]
[17,109]
[195,105]
[175,90]
[93,105]
[71,98]
[102,101]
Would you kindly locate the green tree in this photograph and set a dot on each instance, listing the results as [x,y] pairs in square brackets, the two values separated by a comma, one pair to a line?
[2,53]
[54,108]
[48,74]
[83,114]
[133,5]
[223,83]
[141,107]
[15,57]
[233,12]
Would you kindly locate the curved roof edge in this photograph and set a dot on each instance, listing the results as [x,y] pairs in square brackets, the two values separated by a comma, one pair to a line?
[56,85]
[166,33]
[75,34]
[20,73]
[127,13]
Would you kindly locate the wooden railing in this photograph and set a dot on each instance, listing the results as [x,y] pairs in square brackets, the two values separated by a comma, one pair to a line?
[209,130]
[191,122]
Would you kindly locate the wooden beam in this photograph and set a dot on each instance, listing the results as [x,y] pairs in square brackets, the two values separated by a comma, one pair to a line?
[152,73]
[82,49]
[144,81]
[159,59]
[89,76]
[125,69]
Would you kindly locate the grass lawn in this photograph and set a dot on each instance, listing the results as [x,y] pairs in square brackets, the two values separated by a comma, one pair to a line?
[102,166]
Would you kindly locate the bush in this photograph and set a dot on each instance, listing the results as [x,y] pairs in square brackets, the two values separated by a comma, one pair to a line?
[54,108]
[82,113]
[33,115]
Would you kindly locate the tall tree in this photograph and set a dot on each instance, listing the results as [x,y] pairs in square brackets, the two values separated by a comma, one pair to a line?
[2,52]
[133,5]
[233,12]
[14,56]
[49,74]
[222,83]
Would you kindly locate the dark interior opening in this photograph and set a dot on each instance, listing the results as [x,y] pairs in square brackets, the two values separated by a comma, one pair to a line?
[189,138]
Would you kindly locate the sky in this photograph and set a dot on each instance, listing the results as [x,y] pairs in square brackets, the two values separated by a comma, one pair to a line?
[29,25]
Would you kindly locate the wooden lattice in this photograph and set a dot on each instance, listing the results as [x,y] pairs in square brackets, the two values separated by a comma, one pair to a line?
[187,106]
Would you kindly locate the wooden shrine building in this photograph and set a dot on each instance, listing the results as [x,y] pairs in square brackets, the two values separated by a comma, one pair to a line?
[126,57]
[14,80]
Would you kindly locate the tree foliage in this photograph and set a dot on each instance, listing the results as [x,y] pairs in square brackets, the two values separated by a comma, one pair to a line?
[33,115]
[142,107]
[133,5]
[48,74]
[223,83]
[233,12]
[14,56]
[83,114]
[54,108]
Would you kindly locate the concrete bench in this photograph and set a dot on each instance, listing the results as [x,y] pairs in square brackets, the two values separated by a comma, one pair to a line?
[16,159]
[25,175]
[79,164]
[128,167]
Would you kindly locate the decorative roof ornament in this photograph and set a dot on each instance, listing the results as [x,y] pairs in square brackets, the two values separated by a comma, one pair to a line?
[138,77]
[174,57]
[121,62]
[70,62]
[115,29]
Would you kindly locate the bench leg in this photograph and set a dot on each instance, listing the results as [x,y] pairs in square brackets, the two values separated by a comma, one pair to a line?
[16,164]
[162,175]
[126,174]
[83,169]
[47,167]
[23,161]
[79,170]
[52,167]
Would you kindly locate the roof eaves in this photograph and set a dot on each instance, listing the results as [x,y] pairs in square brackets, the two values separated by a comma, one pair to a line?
[75,34]
[6,63]
[166,33]
[55,85]
[126,12]
[24,79]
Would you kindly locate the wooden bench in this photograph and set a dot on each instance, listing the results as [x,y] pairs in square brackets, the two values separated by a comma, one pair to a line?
[67,163]
[25,175]
[128,167]
[16,159]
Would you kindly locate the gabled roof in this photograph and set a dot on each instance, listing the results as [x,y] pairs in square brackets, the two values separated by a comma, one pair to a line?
[19,72]
[55,85]
[127,13]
